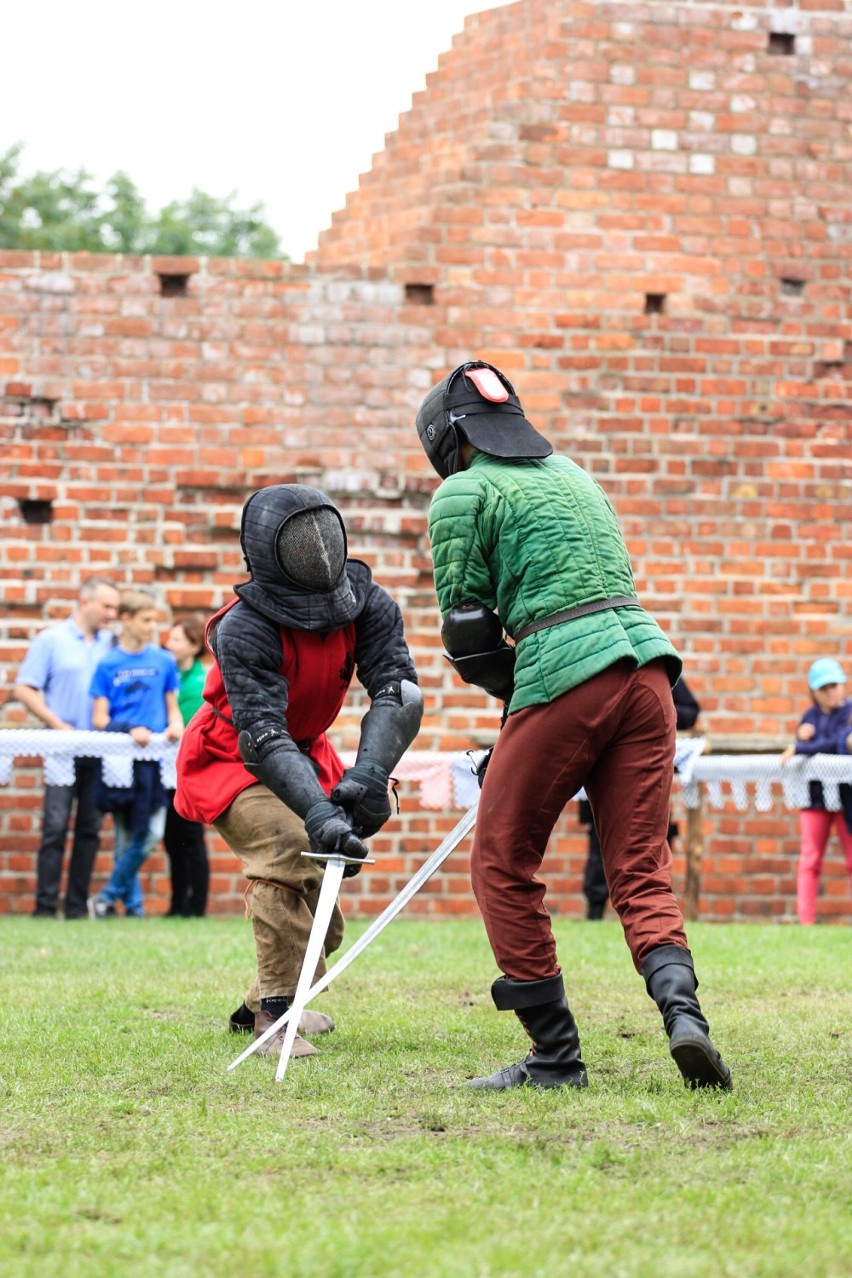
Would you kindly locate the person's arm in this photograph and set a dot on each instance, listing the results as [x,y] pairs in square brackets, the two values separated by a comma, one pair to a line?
[100,713]
[817,734]
[385,668]
[804,731]
[174,727]
[102,720]
[382,655]
[34,679]
[458,535]
[33,699]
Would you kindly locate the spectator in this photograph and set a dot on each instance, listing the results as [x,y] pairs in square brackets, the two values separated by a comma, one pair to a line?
[526,541]
[824,728]
[184,840]
[135,691]
[53,684]
[595,887]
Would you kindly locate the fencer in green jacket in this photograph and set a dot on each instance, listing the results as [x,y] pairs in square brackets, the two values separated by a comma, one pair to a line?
[526,547]
[529,540]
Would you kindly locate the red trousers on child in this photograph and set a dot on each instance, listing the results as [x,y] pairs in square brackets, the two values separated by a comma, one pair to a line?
[615,735]
[816,827]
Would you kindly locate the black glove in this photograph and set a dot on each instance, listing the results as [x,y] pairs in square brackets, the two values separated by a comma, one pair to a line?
[330,830]
[482,767]
[363,792]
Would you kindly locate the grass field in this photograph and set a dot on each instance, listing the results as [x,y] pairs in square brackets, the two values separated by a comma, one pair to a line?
[126,1148]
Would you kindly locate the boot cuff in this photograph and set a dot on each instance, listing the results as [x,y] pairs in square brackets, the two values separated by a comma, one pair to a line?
[665,956]
[509,995]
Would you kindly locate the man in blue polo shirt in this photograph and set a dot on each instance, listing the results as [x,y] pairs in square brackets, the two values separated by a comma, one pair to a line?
[53,683]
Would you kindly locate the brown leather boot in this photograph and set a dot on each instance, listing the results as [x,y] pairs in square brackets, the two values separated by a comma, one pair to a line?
[273,1045]
[315,1023]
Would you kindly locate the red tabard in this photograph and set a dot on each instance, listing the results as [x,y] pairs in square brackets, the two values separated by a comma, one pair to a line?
[318,669]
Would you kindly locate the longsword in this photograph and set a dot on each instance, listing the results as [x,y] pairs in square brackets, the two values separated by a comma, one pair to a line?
[412,887]
[331,880]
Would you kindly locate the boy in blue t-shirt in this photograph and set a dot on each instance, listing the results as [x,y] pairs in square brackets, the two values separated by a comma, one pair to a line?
[135,691]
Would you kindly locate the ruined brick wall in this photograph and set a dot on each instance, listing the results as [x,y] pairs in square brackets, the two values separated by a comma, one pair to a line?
[642,214]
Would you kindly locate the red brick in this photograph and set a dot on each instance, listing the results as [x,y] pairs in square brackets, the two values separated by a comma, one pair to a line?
[719,427]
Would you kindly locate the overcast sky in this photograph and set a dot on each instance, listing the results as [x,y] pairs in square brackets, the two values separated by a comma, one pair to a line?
[283,102]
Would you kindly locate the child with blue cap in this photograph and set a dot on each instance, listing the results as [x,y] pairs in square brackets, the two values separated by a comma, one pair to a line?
[824,728]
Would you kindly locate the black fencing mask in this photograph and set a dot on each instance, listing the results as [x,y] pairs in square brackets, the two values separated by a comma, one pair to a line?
[310,549]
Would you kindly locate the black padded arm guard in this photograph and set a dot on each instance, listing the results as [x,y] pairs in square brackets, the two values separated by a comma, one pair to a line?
[275,759]
[391,724]
[387,730]
[476,649]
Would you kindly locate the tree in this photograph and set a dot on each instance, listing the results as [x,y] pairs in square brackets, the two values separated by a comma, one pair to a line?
[211,227]
[64,211]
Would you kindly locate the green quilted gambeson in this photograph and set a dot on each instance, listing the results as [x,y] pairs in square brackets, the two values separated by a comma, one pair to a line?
[532,538]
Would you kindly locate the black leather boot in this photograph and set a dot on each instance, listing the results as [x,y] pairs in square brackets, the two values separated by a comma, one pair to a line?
[671,982]
[554,1059]
[242,1020]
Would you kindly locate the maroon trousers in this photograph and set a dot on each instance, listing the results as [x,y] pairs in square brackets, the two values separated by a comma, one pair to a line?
[614,735]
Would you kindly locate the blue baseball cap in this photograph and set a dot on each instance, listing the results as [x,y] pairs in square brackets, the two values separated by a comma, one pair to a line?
[824,671]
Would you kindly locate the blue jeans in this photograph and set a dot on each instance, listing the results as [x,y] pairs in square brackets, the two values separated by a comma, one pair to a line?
[130,855]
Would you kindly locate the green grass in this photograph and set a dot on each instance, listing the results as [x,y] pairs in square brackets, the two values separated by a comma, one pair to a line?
[126,1148]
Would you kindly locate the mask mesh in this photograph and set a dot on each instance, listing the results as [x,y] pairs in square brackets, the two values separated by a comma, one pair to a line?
[311,549]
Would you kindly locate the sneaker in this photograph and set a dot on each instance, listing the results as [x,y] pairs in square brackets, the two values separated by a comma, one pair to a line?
[100,909]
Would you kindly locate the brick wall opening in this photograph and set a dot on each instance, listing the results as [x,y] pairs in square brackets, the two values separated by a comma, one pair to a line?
[36,511]
[420,294]
[782,44]
[174,285]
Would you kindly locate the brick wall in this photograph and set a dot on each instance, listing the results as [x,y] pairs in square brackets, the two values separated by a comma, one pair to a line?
[642,214]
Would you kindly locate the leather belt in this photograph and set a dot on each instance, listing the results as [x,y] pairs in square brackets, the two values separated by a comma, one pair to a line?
[582,610]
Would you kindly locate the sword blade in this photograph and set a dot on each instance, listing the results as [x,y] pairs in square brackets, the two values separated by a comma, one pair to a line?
[331,881]
[412,887]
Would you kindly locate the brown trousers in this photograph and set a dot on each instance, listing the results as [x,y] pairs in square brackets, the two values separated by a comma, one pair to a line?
[615,735]
[284,888]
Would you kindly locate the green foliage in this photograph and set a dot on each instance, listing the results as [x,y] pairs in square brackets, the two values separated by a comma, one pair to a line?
[128,1150]
[64,212]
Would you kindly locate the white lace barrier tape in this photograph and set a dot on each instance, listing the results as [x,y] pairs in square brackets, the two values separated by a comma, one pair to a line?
[430,771]
[445,778]
[747,778]
[58,749]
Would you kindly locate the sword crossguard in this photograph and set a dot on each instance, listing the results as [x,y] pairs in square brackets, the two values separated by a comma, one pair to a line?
[338,856]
